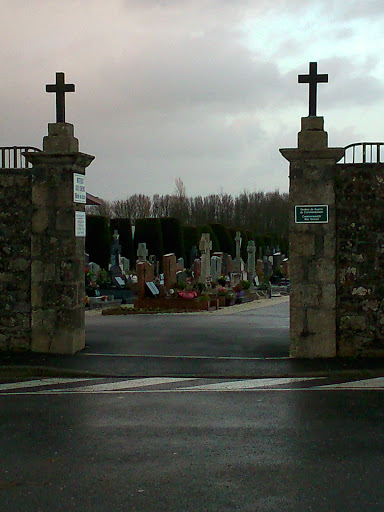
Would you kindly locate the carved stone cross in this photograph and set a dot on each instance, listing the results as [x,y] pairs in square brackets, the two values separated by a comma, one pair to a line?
[205,243]
[60,88]
[312,79]
[142,252]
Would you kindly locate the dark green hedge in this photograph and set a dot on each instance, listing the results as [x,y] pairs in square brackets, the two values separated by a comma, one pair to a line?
[223,237]
[191,238]
[98,240]
[173,239]
[124,228]
[149,231]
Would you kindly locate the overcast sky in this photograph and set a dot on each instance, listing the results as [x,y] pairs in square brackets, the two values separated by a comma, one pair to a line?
[204,90]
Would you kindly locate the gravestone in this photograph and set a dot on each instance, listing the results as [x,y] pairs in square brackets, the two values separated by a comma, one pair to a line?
[114,265]
[193,254]
[181,277]
[94,268]
[267,266]
[251,262]
[144,275]
[237,262]
[125,265]
[205,247]
[180,264]
[155,264]
[227,268]
[216,263]
[196,270]
[260,269]
[285,264]
[169,270]
[142,251]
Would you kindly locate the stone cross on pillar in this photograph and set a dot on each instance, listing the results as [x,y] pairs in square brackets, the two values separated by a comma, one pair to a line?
[312,79]
[60,88]
[237,261]
[205,247]
[142,252]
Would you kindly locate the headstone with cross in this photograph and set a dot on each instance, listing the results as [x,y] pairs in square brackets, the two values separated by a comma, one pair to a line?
[142,252]
[60,88]
[237,261]
[312,79]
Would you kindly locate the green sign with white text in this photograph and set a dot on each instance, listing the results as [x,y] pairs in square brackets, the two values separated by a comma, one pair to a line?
[311,214]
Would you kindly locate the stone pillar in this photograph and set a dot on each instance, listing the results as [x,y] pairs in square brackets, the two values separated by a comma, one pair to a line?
[144,275]
[205,248]
[251,262]
[57,254]
[313,245]
[169,270]
[237,262]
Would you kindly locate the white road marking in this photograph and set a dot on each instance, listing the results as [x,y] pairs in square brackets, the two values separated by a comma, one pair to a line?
[131,383]
[249,384]
[40,382]
[142,384]
[88,354]
[377,383]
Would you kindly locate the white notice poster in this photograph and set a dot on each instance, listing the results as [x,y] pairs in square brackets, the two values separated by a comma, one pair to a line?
[79,191]
[80,224]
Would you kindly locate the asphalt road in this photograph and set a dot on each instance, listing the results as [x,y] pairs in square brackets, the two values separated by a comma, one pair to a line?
[148,449]
[262,332]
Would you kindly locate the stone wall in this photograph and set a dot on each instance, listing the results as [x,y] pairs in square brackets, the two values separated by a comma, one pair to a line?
[360,259]
[41,253]
[15,267]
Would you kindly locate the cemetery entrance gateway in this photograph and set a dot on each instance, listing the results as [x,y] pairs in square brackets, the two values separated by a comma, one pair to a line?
[336,243]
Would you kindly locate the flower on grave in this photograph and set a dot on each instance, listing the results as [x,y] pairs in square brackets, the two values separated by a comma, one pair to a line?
[222,292]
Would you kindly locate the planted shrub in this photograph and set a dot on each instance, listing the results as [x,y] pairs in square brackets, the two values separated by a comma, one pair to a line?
[98,240]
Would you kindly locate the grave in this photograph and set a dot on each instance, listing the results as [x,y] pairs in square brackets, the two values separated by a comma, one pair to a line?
[205,247]
[251,262]
[216,263]
[169,271]
[237,267]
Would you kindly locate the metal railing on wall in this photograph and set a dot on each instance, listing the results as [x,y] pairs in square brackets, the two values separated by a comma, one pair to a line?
[363,153]
[11,157]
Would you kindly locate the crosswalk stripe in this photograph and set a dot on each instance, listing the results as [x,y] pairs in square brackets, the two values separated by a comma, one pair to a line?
[39,382]
[249,384]
[132,383]
[376,383]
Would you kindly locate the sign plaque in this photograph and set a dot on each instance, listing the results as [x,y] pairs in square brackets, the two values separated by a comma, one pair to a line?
[153,288]
[311,214]
[80,224]
[79,190]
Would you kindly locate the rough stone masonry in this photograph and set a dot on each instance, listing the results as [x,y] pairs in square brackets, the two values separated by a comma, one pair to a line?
[337,267]
[42,259]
